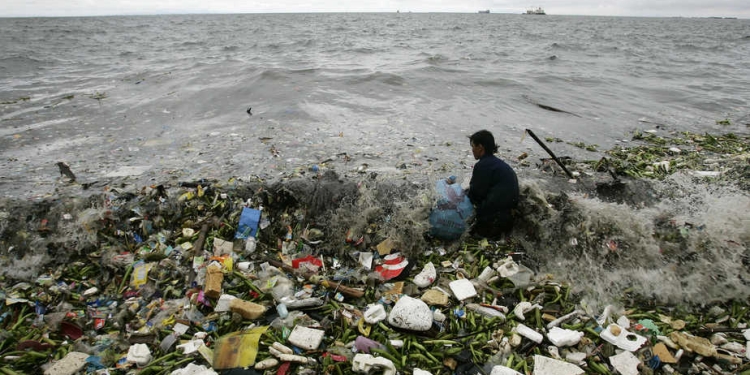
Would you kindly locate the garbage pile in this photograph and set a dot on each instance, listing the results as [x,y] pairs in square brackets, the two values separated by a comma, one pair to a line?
[228,278]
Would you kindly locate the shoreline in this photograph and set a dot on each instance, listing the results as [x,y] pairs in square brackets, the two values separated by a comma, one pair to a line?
[608,255]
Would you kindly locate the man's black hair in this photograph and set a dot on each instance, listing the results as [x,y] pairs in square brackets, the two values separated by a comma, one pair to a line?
[486,139]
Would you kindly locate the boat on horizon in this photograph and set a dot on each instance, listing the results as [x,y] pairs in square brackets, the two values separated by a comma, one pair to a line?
[484,11]
[538,11]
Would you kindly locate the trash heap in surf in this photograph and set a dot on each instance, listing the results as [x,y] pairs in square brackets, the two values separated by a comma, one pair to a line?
[337,277]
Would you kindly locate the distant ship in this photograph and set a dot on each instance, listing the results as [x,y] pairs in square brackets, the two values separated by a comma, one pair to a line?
[538,11]
[484,11]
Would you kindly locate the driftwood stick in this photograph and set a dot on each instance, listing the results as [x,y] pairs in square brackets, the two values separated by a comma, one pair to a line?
[345,290]
[531,133]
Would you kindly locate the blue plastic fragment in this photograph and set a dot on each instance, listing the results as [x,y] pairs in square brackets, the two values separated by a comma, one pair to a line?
[654,362]
[248,226]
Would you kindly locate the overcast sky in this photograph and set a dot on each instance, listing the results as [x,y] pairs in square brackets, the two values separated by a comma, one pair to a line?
[647,8]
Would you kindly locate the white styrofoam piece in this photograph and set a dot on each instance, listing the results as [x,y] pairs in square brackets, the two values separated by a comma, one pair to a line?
[427,276]
[193,369]
[529,333]
[410,313]
[71,364]
[625,363]
[576,357]
[363,363]
[374,313]
[548,366]
[306,338]
[462,289]
[502,370]
[564,337]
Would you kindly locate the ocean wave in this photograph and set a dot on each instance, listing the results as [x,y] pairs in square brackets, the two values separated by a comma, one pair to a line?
[366,50]
[498,82]
[433,69]
[387,78]
[436,59]
[21,64]
[280,74]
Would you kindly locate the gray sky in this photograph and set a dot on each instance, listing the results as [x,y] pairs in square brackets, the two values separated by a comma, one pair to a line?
[647,8]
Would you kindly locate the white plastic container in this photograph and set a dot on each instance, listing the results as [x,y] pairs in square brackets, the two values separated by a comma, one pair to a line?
[620,337]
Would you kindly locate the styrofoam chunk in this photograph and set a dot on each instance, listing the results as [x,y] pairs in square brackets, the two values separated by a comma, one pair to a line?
[502,370]
[306,338]
[548,366]
[427,276]
[463,289]
[576,357]
[419,371]
[193,369]
[69,365]
[375,313]
[410,313]
[363,363]
[564,337]
[625,363]
[529,333]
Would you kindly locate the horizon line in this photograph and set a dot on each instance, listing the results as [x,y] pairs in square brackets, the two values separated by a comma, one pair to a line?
[346,12]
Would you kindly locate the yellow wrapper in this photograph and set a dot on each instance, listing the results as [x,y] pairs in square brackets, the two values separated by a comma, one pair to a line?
[237,349]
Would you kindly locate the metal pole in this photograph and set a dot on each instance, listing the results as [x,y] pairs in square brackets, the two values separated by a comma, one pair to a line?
[531,133]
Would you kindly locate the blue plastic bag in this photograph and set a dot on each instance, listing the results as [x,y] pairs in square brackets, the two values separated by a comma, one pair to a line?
[453,208]
[249,220]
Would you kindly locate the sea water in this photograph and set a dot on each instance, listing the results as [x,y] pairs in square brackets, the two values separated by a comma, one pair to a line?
[162,99]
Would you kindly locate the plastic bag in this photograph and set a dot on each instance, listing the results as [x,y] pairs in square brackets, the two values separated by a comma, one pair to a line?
[448,219]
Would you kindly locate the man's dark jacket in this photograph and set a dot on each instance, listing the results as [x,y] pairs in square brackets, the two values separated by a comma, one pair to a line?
[494,191]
